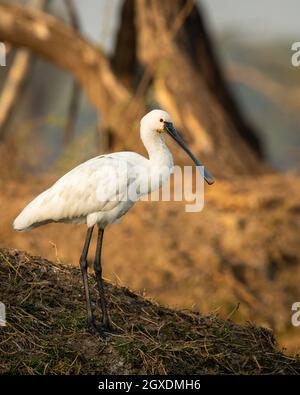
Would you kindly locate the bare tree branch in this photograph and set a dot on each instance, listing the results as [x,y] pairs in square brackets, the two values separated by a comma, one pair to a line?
[73,15]
[74,105]
[16,77]
[12,86]
[62,45]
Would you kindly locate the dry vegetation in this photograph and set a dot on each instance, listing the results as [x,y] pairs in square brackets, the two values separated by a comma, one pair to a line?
[46,331]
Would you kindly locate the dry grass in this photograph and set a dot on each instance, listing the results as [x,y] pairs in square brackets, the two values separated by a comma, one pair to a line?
[46,331]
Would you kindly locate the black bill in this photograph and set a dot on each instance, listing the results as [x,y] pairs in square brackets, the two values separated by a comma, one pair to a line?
[168,126]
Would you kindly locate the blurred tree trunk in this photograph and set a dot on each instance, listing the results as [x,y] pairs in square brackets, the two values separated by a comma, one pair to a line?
[173,47]
[69,129]
[16,77]
[164,56]
[12,88]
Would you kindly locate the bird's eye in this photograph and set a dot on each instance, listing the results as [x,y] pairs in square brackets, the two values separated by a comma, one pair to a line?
[161,120]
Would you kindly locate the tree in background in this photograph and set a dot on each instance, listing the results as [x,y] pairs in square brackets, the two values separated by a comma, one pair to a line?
[163,56]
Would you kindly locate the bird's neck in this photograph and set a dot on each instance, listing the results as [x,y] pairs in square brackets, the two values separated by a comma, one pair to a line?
[160,164]
[158,152]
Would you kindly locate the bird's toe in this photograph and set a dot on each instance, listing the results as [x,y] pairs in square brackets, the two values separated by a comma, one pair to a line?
[110,328]
[96,329]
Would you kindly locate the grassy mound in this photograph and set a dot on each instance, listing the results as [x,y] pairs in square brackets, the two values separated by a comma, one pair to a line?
[46,331]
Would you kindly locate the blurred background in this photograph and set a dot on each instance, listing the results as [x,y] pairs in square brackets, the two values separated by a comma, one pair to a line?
[79,76]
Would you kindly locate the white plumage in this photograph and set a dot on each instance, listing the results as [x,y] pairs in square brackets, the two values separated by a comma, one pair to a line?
[94,192]
[73,198]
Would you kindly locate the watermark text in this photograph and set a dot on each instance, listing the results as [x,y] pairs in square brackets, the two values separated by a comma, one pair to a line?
[2,54]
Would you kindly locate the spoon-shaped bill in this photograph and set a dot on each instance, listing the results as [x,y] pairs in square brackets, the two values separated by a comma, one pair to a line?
[169,128]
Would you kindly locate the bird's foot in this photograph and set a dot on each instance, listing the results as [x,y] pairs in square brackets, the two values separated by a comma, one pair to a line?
[107,324]
[109,327]
[102,329]
[96,329]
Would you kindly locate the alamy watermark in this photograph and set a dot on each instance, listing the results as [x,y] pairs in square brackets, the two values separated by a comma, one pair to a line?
[296,315]
[126,183]
[295,59]
[2,314]
[2,54]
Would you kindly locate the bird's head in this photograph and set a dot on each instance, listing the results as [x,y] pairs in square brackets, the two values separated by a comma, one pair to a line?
[155,121]
[158,122]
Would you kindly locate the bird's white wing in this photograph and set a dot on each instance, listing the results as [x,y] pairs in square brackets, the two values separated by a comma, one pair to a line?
[96,185]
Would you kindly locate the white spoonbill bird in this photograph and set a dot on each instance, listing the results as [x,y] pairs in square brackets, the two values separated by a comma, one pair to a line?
[96,193]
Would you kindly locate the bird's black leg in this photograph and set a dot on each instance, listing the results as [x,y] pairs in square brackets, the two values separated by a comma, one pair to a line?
[84,266]
[98,272]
